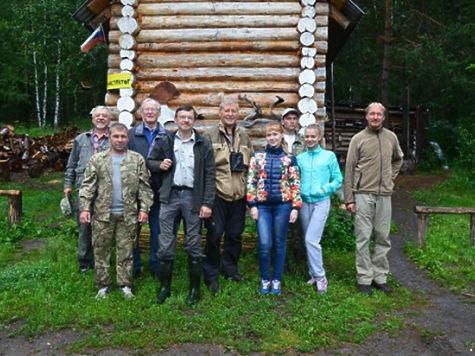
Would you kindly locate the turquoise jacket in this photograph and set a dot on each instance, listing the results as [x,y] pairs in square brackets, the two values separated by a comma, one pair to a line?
[320,175]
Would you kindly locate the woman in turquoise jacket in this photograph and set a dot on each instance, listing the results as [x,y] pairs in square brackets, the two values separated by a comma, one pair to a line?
[320,177]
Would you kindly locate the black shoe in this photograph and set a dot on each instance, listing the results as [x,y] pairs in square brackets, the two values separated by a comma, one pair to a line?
[194,269]
[83,270]
[213,286]
[165,271]
[236,277]
[364,288]
[383,287]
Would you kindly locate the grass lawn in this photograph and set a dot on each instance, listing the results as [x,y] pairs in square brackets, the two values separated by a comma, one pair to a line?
[42,290]
[448,254]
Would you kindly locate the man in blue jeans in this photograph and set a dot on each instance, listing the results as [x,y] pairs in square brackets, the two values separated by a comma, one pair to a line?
[141,140]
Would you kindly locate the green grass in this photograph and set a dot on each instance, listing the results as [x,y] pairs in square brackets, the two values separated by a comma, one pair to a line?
[448,254]
[42,290]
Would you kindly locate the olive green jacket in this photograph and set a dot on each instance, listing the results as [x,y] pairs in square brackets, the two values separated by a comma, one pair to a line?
[96,187]
[230,186]
[372,163]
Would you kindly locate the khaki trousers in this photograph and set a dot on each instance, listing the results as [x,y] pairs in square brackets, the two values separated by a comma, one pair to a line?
[373,218]
[103,235]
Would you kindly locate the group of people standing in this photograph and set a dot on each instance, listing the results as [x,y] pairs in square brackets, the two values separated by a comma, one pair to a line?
[127,177]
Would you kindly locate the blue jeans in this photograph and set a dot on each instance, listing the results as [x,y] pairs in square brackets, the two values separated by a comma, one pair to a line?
[154,231]
[272,227]
[313,217]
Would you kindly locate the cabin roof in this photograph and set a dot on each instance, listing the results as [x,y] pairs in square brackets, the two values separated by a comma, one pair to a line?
[91,14]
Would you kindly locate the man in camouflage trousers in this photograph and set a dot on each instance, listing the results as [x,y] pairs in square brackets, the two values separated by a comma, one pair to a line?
[116,182]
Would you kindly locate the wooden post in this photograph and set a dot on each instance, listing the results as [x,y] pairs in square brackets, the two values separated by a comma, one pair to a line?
[422,222]
[15,207]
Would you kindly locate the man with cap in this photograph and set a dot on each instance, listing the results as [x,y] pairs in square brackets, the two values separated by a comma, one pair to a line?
[294,144]
[293,141]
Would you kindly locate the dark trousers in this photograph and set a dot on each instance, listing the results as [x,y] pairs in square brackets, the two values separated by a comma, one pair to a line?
[228,219]
[154,232]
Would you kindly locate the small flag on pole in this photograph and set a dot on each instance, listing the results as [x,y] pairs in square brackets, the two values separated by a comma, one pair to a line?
[95,38]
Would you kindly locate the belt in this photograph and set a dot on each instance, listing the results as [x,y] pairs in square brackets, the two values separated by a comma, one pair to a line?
[181,187]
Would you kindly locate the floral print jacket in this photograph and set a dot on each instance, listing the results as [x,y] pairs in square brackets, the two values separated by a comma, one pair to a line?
[273,178]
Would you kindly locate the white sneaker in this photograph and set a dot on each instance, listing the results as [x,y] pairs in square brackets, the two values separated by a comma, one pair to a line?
[102,294]
[127,293]
[311,281]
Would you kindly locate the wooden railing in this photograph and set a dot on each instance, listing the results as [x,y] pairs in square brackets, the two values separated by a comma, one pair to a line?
[423,212]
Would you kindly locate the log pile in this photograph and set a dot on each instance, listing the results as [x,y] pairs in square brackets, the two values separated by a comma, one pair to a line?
[23,153]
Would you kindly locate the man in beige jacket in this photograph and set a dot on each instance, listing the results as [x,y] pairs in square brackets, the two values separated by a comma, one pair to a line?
[372,164]
[232,151]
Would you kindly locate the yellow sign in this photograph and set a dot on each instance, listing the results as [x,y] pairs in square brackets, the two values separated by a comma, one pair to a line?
[119,81]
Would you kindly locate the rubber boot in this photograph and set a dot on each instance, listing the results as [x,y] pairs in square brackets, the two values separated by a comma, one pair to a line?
[165,270]
[195,269]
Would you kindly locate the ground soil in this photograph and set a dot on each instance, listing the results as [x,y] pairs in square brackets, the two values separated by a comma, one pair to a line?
[444,325]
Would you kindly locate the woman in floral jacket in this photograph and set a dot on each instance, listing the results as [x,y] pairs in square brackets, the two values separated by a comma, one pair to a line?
[273,194]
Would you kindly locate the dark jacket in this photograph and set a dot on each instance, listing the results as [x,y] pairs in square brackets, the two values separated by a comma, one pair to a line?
[138,143]
[204,171]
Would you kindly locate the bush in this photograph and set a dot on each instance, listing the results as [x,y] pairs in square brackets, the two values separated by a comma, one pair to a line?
[339,233]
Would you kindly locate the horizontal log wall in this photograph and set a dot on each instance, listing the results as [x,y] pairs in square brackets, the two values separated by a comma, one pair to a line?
[207,48]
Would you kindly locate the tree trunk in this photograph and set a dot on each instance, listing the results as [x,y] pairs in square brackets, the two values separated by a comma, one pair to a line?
[57,101]
[45,96]
[37,91]
[388,28]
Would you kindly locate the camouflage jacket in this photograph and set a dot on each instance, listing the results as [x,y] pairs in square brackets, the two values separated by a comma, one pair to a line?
[298,146]
[97,186]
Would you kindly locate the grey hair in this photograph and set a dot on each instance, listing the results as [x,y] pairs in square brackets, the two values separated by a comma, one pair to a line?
[378,104]
[149,100]
[228,101]
[101,107]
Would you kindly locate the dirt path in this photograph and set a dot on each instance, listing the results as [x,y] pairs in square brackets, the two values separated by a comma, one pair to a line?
[446,326]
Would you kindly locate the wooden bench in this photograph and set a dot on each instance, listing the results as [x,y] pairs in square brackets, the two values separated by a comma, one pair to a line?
[15,207]
[423,212]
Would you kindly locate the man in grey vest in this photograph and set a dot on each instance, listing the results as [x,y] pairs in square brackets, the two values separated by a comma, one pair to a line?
[84,146]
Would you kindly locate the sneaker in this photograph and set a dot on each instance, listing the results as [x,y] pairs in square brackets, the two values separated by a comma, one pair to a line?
[102,294]
[275,287]
[265,285]
[322,285]
[311,281]
[83,270]
[127,292]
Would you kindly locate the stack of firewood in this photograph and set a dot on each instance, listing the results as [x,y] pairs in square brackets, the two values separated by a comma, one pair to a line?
[24,153]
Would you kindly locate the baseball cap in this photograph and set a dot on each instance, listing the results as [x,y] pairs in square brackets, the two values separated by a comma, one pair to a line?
[290,110]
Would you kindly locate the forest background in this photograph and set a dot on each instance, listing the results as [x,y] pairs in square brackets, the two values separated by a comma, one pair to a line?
[426,49]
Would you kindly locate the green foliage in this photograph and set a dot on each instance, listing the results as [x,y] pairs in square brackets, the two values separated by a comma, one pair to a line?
[45,28]
[448,254]
[339,232]
[431,52]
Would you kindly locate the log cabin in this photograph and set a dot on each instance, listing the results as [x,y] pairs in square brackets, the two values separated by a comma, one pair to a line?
[270,54]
